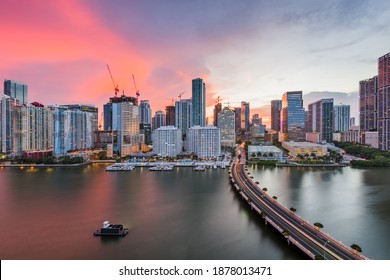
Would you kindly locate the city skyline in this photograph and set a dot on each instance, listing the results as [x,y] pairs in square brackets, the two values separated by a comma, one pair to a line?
[63,52]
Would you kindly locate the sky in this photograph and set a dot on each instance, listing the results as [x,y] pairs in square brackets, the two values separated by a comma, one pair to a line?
[246,50]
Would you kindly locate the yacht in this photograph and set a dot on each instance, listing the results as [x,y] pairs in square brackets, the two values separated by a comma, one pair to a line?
[111,230]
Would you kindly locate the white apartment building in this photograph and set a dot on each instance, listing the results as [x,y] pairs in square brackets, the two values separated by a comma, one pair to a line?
[204,141]
[167,141]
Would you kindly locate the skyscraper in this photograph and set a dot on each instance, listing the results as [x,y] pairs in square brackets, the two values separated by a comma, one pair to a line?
[245,113]
[320,119]
[384,102]
[73,129]
[126,121]
[107,108]
[217,109]
[145,112]
[226,123]
[276,106]
[292,117]
[16,90]
[183,115]
[198,102]
[237,112]
[170,115]
[158,120]
[368,98]
[341,117]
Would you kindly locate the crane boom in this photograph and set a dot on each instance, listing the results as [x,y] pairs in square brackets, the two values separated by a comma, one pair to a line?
[181,95]
[135,86]
[116,88]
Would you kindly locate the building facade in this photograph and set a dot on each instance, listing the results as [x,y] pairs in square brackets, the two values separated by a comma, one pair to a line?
[276,106]
[183,115]
[167,141]
[16,90]
[384,102]
[205,142]
[368,104]
[245,114]
[265,153]
[227,125]
[292,117]
[302,148]
[126,121]
[217,109]
[145,112]
[73,130]
[341,116]
[198,102]
[320,119]
[170,115]
[158,120]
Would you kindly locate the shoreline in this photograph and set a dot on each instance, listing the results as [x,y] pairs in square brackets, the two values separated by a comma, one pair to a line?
[56,165]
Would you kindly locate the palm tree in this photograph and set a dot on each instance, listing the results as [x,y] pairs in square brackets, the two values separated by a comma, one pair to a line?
[259,154]
[253,155]
[265,189]
[275,197]
[318,225]
[286,233]
[356,248]
[293,209]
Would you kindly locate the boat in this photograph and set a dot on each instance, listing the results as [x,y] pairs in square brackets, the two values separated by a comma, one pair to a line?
[111,230]
[120,167]
[199,168]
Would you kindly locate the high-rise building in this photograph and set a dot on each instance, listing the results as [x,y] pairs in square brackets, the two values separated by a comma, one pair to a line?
[341,117]
[10,122]
[217,109]
[245,113]
[146,131]
[237,112]
[167,141]
[145,112]
[73,130]
[384,102]
[37,127]
[320,119]
[183,115]
[205,142]
[170,115]
[227,125]
[158,120]
[368,98]
[276,106]
[256,120]
[25,128]
[107,108]
[198,102]
[292,117]
[16,90]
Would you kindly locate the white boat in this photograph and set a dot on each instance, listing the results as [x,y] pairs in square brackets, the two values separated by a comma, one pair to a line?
[199,168]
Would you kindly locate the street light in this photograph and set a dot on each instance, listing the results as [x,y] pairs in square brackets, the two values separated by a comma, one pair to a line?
[324,247]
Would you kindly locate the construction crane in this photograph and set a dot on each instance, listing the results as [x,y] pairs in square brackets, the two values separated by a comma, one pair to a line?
[181,95]
[116,88]
[136,90]
[101,120]
[218,100]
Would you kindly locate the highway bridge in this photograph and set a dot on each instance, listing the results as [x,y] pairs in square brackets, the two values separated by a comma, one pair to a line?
[309,239]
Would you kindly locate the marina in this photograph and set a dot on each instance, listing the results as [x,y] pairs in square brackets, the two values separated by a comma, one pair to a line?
[120,167]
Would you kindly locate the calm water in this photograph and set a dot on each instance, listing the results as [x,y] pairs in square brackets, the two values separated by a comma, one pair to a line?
[52,213]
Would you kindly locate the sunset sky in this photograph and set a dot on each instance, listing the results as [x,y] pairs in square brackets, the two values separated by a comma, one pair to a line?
[244,50]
